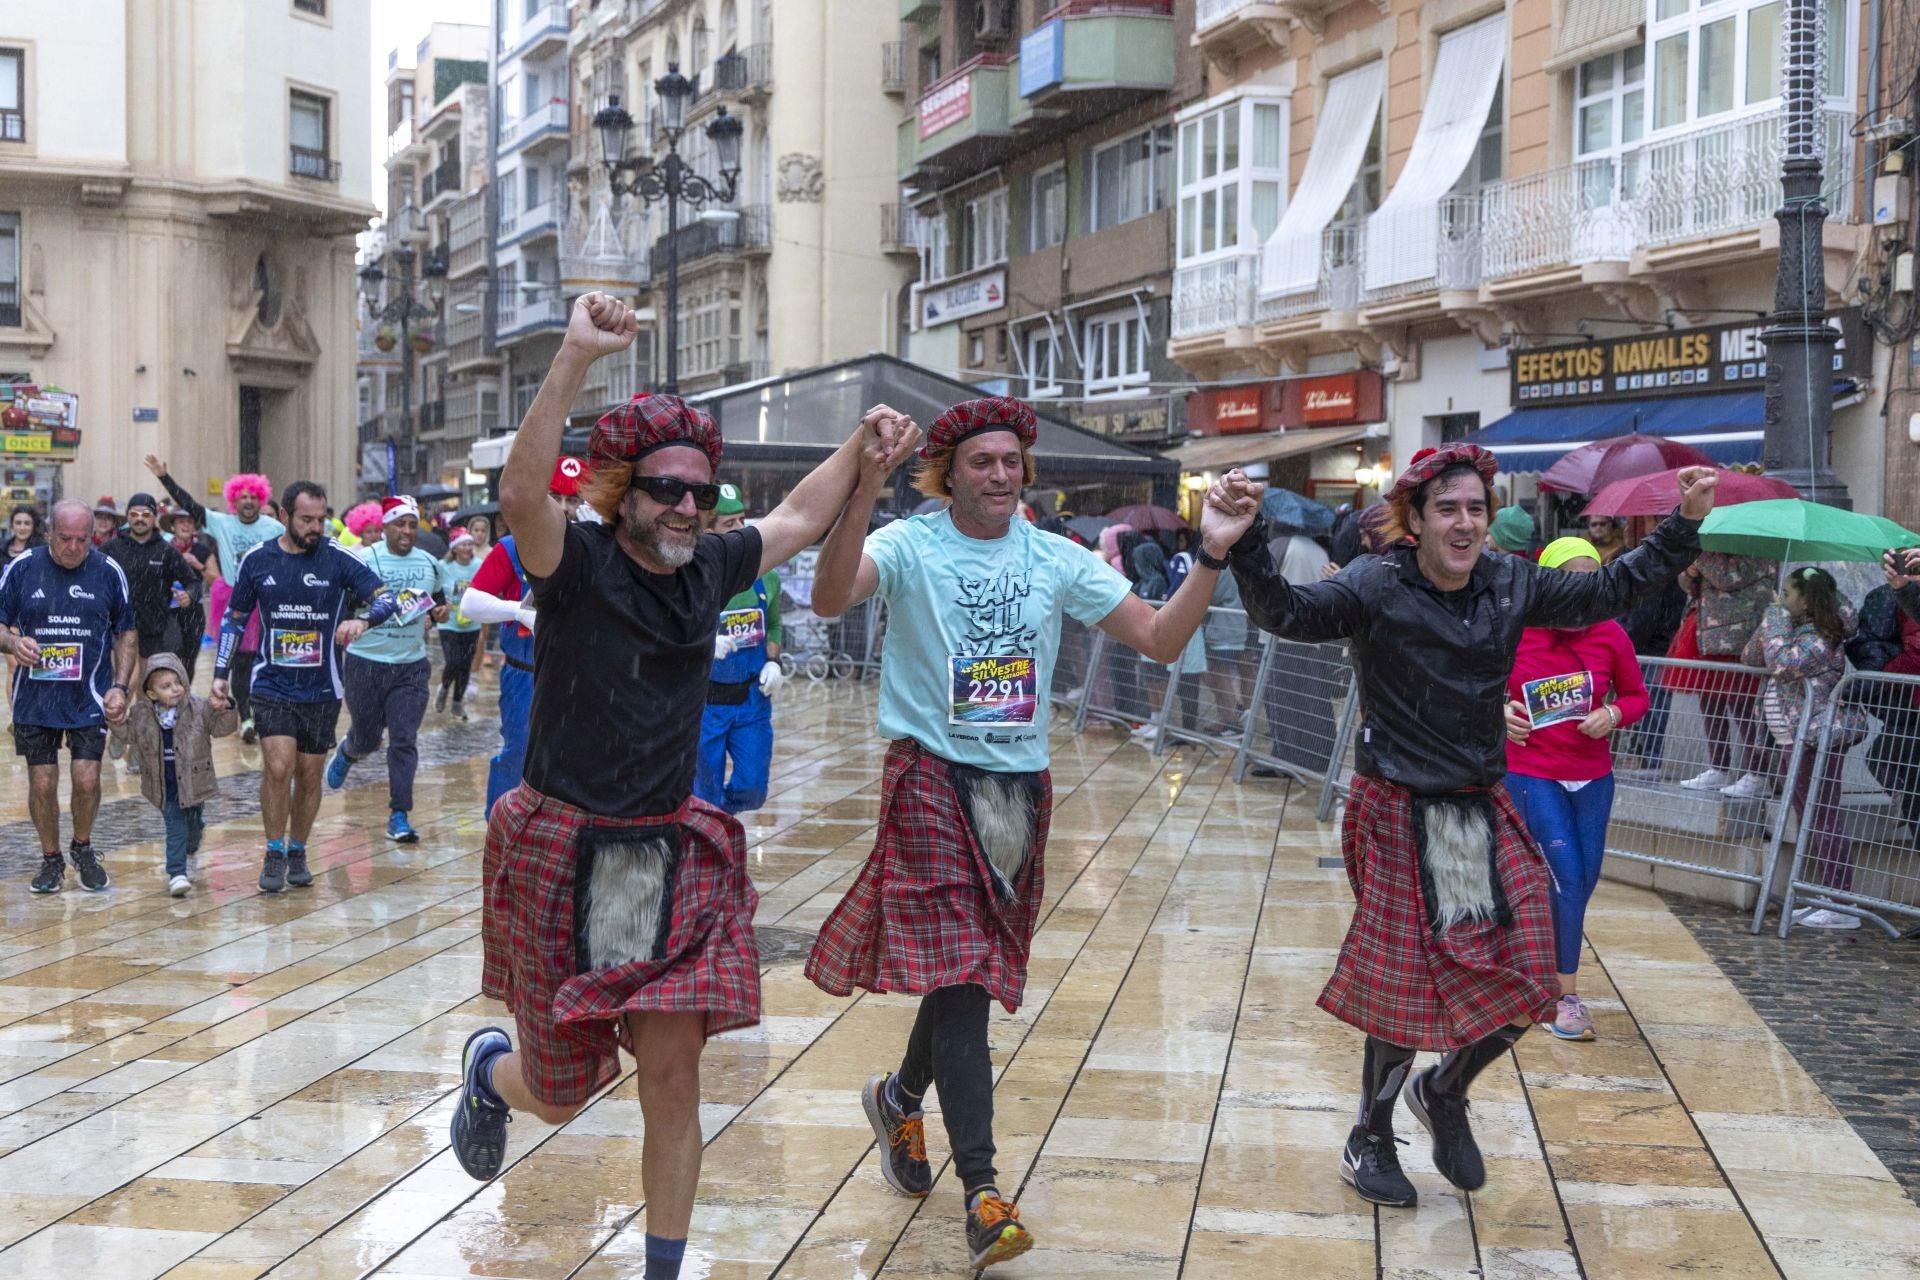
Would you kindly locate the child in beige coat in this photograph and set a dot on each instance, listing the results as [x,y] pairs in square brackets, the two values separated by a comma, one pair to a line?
[170,732]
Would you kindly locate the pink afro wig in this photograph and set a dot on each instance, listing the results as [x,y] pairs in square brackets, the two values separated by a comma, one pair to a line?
[257,485]
[361,518]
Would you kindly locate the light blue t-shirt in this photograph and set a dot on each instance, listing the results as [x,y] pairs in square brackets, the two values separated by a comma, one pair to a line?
[454,578]
[973,628]
[414,578]
[235,538]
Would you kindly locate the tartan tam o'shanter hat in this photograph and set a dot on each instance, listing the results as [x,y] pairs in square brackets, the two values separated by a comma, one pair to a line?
[1428,463]
[972,417]
[653,421]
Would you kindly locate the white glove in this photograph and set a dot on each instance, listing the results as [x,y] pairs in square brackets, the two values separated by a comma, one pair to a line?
[771,677]
[524,615]
[723,646]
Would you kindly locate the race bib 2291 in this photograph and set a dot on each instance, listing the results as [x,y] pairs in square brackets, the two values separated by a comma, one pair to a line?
[994,690]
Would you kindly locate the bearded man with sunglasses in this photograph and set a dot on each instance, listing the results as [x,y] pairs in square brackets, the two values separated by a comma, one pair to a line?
[618,912]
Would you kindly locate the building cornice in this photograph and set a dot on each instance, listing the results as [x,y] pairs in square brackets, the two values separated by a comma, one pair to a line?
[119,187]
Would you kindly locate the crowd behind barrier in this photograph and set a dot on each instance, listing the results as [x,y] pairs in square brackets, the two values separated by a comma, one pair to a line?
[1820,819]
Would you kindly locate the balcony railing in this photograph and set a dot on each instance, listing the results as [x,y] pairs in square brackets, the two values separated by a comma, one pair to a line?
[704,239]
[1573,214]
[548,23]
[9,304]
[1456,256]
[1727,178]
[900,229]
[467,234]
[745,71]
[443,181]
[432,415]
[464,411]
[522,224]
[893,67]
[1342,260]
[521,311]
[1212,296]
[548,115]
[305,162]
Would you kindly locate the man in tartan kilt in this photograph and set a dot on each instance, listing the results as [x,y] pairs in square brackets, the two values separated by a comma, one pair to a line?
[945,906]
[617,908]
[1451,945]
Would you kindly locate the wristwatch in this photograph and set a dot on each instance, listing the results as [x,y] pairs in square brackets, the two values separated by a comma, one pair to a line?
[1217,564]
[117,685]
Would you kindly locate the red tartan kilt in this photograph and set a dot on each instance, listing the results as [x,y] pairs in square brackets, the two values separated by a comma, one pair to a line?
[570,1022]
[1398,980]
[920,915]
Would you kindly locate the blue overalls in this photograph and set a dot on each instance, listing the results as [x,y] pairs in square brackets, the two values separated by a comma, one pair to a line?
[516,694]
[738,721]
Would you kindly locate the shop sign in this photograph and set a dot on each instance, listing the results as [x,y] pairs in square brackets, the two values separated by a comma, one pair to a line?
[1042,58]
[957,299]
[1226,411]
[1148,421]
[946,104]
[1333,399]
[1723,357]
[37,444]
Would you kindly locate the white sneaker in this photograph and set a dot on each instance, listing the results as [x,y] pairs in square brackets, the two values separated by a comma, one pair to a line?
[1711,780]
[178,886]
[1751,786]
[1821,918]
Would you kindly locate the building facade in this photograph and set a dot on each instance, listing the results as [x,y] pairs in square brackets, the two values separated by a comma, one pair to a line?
[180,188]
[1552,215]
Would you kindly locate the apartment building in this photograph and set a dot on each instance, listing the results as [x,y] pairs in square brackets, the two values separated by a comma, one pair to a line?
[1551,220]
[1038,173]
[197,174]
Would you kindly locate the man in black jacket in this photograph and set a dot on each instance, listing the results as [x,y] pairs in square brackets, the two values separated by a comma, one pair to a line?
[159,579]
[1451,945]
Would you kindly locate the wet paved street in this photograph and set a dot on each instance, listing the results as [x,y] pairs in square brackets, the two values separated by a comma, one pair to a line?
[228,1085]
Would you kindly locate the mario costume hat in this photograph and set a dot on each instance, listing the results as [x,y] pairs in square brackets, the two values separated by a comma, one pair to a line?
[398,507]
[1428,463]
[730,503]
[653,421]
[970,418]
[568,475]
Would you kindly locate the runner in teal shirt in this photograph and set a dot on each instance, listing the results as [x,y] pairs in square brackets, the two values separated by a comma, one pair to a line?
[459,634]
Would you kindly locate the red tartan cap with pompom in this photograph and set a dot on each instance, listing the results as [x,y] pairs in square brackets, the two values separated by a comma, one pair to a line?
[972,417]
[653,421]
[1428,463]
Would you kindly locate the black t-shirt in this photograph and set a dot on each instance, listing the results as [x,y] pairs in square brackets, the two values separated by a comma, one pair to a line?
[620,662]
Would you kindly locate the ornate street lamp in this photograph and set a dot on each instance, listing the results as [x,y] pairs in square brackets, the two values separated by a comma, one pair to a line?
[670,180]
[404,307]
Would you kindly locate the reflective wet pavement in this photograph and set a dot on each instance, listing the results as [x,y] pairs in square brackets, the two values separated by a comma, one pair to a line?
[228,1085]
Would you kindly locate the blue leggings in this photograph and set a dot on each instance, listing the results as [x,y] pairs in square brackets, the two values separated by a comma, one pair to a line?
[1571,829]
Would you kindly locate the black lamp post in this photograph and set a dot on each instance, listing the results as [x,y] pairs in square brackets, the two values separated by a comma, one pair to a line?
[403,307]
[670,180]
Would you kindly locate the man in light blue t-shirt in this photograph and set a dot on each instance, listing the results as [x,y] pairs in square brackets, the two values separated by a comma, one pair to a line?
[974,600]
[387,669]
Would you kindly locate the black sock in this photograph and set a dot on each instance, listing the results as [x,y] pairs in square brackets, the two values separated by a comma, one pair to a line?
[1458,1069]
[1383,1071]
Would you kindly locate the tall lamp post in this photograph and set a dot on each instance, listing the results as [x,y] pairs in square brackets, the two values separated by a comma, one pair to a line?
[403,307]
[670,180]
[1799,430]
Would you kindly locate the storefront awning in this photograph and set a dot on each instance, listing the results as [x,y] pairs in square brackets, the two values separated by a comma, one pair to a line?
[1403,235]
[1217,453]
[1290,262]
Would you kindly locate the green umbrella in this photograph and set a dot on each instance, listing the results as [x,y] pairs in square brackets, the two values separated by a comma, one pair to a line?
[1795,529]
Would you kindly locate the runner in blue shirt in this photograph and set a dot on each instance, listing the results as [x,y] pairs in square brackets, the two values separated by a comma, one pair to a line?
[67,620]
[302,582]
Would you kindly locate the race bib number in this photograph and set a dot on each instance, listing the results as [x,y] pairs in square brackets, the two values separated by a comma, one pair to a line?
[746,627]
[293,648]
[994,690]
[1557,699]
[410,606]
[58,662]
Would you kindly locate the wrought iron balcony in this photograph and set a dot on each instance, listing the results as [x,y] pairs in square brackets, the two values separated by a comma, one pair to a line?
[690,244]
[1342,262]
[746,73]
[1727,178]
[900,229]
[1456,256]
[1574,214]
[306,162]
[1211,297]
[444,181]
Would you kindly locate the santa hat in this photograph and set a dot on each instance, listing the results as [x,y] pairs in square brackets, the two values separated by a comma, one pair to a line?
[459,536]
[398,507]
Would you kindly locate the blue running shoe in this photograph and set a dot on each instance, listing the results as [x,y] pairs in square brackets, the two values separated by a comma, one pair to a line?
[337,768]
[398,828]
[480,1122]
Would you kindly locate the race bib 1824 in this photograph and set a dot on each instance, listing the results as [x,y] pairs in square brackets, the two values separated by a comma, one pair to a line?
[994,690]
[59,662]
[293,648]
[747,627]
[1557,699]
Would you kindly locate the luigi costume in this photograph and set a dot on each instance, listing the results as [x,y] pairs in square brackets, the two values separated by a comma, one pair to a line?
[738,722]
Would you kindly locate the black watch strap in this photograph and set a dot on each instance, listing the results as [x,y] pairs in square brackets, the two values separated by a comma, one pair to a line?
[1218,565]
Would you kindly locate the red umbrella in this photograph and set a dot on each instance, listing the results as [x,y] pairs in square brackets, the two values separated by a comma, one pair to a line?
[1593,467]
[1659,493]
[1144,516]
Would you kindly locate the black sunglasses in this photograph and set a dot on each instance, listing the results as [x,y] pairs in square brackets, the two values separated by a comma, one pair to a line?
[668,490]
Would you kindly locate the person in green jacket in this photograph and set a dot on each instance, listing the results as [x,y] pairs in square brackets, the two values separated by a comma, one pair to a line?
[738,722]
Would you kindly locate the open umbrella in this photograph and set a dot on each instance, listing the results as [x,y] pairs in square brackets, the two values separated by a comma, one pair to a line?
[1089,527]
[1144,516]
[464,514]
[1794,529]
[1593,467]
[1659,493]
[1285,507]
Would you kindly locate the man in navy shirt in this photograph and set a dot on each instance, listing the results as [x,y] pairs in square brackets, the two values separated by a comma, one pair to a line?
[65,615]
[303,583]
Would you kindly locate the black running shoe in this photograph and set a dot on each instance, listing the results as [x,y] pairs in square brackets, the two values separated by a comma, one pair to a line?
[273,872]
[902,1139]
[994,1233]
[1371,1166]
[52,875]
[93,876]
[479,1123]
[1455,1154]
[297,873]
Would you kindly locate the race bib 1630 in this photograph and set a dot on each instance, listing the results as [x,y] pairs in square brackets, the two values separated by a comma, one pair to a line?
[59,662]
[994,690]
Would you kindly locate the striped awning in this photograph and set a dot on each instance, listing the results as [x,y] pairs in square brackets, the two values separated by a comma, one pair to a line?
[1590,28]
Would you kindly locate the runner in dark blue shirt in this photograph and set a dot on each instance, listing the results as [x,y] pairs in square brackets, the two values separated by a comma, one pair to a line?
[304,584]
[65,616]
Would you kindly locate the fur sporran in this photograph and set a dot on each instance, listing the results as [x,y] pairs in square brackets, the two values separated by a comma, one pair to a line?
[1000,807]
[1454,838]
[623,895]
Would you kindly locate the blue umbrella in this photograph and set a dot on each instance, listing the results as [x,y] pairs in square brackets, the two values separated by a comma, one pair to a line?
[1285,507]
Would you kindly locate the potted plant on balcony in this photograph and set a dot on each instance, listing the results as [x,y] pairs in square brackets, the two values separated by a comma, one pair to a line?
[422,343]
[385,338]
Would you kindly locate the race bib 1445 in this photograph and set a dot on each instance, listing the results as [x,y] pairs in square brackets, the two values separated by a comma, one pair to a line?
[994,690]
[293,648]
